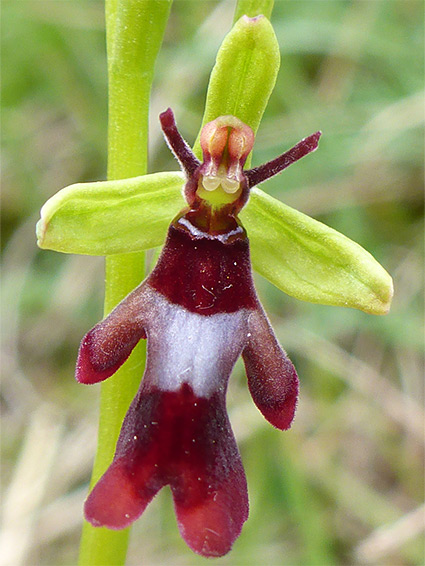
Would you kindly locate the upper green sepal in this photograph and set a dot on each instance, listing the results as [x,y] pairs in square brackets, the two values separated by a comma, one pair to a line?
[244,74]
[310,261]
[110,217]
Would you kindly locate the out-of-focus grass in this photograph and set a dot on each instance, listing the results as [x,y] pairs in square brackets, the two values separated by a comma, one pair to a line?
[345,485]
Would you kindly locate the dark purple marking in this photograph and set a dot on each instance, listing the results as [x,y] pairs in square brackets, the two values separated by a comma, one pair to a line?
[203,273]
[178,439]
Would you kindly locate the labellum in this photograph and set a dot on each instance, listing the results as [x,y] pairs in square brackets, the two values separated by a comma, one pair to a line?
[199,312]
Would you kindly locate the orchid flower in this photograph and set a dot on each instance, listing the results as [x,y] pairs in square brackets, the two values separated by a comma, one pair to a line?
[199,311]
[198,308]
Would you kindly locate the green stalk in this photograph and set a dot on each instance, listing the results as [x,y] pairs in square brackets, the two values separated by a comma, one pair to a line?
[134,30]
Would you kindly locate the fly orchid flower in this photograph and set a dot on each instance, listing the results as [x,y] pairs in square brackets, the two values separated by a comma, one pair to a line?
[199,311]
[198,308]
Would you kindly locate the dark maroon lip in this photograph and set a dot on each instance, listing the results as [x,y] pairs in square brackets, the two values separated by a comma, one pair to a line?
[205,274]
[179,439]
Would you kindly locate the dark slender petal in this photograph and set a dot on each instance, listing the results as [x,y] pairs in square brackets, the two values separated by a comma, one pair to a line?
[186,441]
[263,172]
[272,379]
[177,144]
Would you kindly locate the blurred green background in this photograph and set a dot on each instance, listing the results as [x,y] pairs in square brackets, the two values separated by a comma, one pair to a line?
[345,485]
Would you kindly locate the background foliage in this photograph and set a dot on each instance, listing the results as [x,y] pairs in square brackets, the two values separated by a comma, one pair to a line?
[345,485]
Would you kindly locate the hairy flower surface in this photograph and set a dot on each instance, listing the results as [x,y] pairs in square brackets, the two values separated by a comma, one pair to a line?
[199,311]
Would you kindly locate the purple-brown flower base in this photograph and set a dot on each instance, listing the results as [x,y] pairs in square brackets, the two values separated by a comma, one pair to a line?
[185,441]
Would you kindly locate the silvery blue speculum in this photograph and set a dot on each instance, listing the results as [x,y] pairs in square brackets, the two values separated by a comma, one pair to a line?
[199,311]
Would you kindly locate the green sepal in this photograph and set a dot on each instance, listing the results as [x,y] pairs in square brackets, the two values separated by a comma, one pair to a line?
[244,74]
[110,217]
[310,261]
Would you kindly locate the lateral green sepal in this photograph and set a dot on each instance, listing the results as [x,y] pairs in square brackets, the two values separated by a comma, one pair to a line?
[310,261]
[110,217]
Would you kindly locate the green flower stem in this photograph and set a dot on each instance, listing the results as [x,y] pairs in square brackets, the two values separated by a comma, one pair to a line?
[134,34]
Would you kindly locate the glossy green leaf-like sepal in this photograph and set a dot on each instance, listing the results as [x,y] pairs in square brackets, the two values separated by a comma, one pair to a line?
[111,217]
[310,261]
[244,74]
